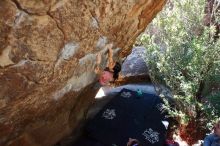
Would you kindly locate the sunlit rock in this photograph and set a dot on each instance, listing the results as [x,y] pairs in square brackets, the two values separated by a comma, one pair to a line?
[48,50]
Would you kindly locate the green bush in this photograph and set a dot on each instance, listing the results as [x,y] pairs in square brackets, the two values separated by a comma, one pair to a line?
[184,54]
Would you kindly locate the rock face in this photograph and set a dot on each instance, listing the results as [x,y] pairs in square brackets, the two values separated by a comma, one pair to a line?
[134,65]
[47,57]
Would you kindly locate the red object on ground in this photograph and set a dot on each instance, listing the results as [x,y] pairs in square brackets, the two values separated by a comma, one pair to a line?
[192,132]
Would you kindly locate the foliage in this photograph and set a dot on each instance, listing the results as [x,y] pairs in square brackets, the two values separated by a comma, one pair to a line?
[214,99]
[183,54]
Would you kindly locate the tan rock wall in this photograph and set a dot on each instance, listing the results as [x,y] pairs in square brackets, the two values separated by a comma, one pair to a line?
[47,57]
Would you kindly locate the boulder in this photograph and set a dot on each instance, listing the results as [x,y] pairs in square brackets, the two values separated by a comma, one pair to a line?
[48,54]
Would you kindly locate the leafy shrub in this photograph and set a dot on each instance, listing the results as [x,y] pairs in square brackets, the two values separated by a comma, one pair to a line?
[184,54]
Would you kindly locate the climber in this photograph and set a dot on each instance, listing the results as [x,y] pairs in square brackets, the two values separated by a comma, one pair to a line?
[111,72]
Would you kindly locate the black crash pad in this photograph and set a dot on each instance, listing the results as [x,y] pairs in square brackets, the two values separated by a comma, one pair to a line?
[129,115]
